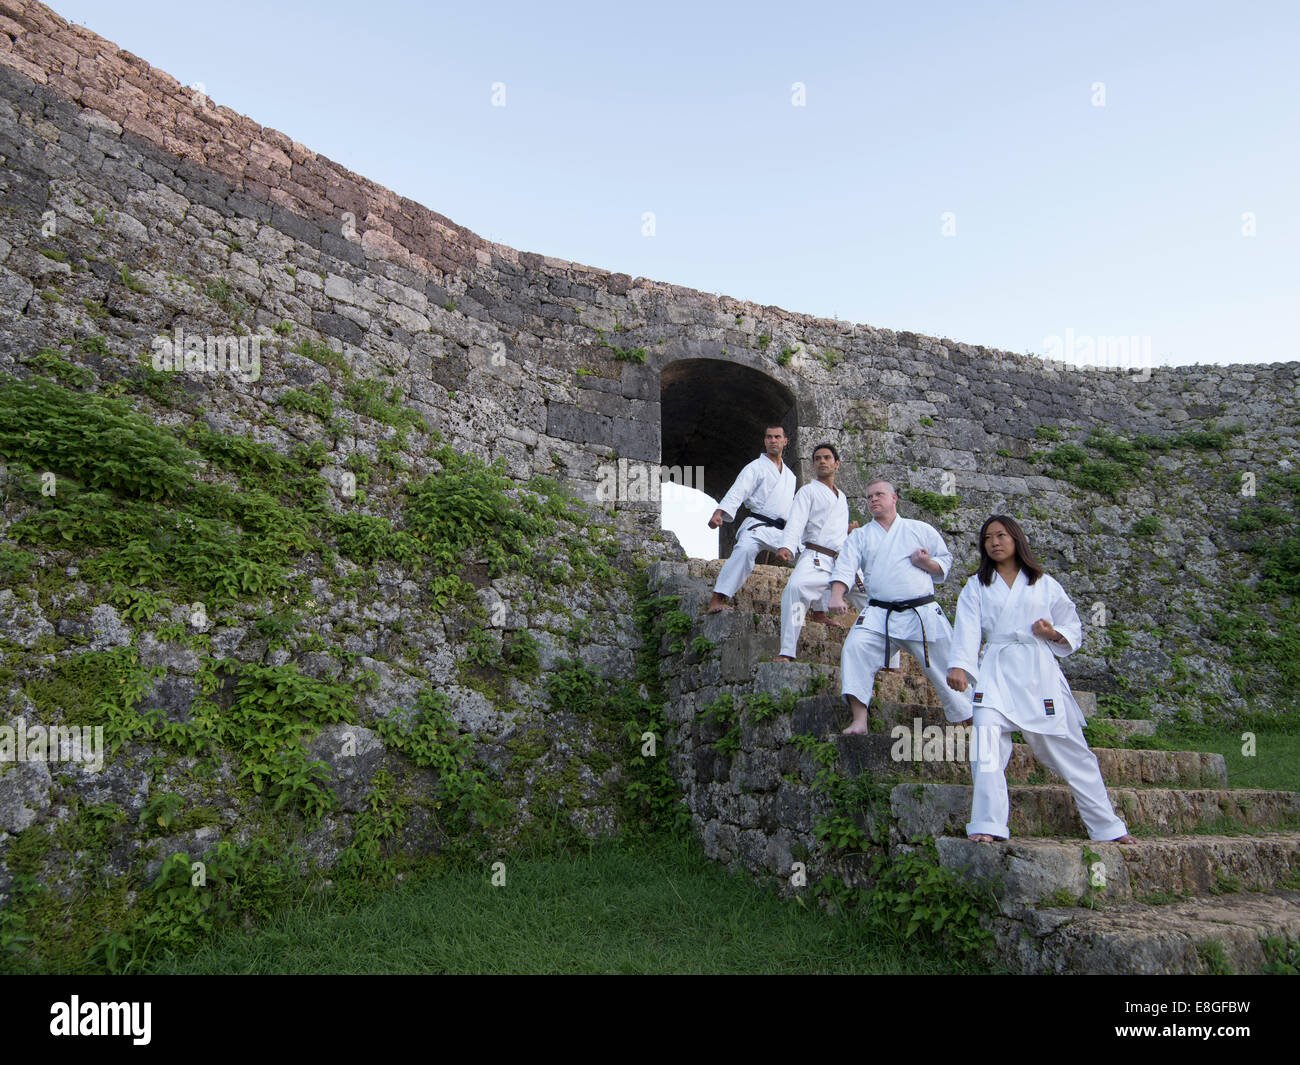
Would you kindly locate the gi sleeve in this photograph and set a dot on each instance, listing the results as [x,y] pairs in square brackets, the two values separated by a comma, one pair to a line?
[797,520]
[964,652]
[738,492]
[850,559]
[940,553]
[1065,619]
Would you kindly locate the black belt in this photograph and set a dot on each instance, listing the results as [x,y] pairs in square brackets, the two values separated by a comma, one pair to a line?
[905,604]
[763,519]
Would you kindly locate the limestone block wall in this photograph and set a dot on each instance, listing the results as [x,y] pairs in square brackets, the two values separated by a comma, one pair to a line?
[753,795]
[537,361]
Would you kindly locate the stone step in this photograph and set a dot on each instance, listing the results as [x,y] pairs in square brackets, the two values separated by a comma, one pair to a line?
[826,714]
[891,709]
[776,678]
[944,757]
[1035,872]
[904,688]
[1123,726]
[925,809]
[1219,934]
[887,714]
[818,641]
[761,640]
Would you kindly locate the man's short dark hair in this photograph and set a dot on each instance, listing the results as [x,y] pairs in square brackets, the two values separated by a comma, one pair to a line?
[826,447]
[775,425]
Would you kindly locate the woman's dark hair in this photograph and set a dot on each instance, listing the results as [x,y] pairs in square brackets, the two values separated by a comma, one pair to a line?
[826,447]
[1024,556]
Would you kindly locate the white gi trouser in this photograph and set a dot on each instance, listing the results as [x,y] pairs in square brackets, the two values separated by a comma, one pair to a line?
[1065,755]
[809,583]
[736,570]
[864,654]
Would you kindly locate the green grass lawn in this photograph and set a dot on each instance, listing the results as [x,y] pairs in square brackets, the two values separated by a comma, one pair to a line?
[1275,763]
[652,908]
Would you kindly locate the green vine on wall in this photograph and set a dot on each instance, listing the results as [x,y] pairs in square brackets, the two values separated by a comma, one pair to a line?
[469,802]
[910,891]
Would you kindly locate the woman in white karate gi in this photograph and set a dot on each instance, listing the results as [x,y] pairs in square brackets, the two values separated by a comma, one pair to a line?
[1028,622]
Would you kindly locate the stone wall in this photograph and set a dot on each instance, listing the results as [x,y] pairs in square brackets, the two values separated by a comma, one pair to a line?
[534,359]
[137,212]
[115,236]
[754,797]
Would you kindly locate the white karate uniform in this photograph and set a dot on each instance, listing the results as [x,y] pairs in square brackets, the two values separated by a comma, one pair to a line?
[1017,684]
[763,488]
[885,557]
[819,515]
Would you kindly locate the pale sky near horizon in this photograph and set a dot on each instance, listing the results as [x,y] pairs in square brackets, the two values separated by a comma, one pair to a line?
[1069,220]
[1035,177]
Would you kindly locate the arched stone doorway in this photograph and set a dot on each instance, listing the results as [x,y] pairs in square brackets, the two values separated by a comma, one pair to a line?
[712,415]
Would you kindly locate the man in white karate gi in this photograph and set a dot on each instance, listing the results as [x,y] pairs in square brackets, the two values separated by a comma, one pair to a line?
[815,530]
[901,558]
[766,486]
[1029,624]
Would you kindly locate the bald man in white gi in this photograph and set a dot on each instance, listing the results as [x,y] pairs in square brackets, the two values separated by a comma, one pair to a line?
[766,486]
[901,558]
[815,530]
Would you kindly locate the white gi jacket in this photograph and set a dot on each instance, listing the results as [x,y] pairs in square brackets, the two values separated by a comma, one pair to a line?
[763,488]
[1018,674]
[886,560]
[818,515]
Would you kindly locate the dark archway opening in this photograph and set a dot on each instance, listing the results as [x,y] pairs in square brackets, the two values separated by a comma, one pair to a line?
[712,415]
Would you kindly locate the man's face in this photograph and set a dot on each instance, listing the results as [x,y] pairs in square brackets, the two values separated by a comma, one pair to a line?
[824,462]
[774,441]
[882,500]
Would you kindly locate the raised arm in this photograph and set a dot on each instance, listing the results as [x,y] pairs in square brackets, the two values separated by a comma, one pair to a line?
[737,493]
[1065,620]
[939,553]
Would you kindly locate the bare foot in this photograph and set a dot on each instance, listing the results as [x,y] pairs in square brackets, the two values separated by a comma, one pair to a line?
[783,658]
[1126,838]
[820,615]
[981,837]
[855,730]
[718,604]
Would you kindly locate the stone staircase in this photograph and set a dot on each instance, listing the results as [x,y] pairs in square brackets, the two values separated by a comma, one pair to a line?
[1215,870]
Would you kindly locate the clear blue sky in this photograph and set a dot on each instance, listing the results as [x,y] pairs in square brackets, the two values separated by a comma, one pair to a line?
[1119,220]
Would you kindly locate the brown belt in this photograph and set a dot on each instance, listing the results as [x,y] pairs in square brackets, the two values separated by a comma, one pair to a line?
[810,546]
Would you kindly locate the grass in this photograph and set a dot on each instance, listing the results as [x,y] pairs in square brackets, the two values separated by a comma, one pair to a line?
[1275,765]
[1163,897]
[1218,826]
[656,907]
